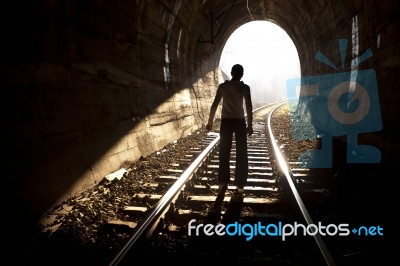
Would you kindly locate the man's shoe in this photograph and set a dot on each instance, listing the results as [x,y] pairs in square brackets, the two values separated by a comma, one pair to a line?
[237,197]
[214,215]
[221,194]
[216,208]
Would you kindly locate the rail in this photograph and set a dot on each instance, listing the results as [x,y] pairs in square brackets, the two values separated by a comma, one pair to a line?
[285,170]
[161,206]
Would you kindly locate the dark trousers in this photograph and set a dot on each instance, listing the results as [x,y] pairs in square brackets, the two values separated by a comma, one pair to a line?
[230,128]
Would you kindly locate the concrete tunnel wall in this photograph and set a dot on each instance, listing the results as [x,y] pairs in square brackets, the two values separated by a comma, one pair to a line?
[91,85]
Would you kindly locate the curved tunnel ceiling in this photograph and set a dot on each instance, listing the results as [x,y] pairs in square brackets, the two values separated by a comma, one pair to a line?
[292,16]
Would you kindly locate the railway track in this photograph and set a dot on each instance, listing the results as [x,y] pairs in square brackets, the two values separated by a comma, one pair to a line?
[159,210]
[172,228]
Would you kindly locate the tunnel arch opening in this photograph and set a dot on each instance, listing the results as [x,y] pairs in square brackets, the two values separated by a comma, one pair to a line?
[268,56]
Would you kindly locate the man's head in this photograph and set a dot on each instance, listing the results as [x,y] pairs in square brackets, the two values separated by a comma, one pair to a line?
[237,72]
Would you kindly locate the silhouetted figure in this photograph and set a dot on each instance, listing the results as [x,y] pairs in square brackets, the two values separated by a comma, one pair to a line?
[234,95]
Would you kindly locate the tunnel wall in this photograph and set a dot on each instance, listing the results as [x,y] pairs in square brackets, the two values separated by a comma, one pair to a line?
[92,86]
[367,26]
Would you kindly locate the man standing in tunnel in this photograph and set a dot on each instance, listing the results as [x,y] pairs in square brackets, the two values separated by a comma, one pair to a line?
[233,94]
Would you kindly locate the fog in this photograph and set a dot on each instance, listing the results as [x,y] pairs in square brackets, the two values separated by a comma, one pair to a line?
[268,57]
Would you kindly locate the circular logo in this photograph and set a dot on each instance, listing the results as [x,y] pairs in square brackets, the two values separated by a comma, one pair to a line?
[358,92]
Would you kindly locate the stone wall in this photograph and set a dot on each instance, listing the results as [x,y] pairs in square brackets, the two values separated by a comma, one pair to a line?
[92,86]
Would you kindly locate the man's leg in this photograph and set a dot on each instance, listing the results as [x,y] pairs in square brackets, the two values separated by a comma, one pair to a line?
[241,171]
[226,136]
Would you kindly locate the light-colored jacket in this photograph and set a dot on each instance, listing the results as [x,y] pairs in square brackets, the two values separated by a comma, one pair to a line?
[233,94]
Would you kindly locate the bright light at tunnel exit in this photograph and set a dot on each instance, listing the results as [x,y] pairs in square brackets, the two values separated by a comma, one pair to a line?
[269,58]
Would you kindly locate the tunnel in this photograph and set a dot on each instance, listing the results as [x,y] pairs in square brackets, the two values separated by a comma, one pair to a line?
[91,85]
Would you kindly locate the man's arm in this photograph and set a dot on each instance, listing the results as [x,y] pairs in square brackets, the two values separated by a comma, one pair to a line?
[213,108]
[249,111]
